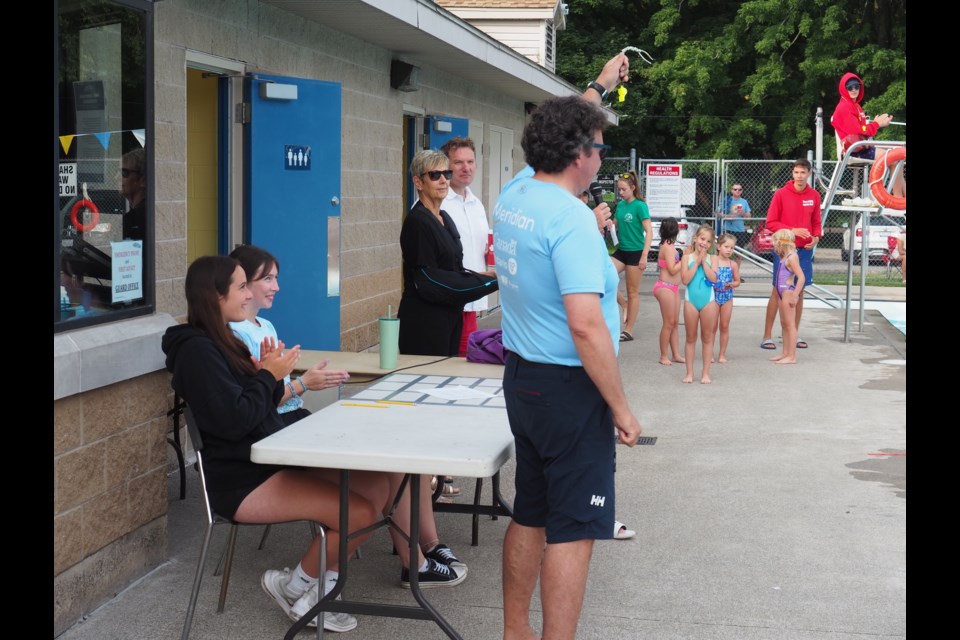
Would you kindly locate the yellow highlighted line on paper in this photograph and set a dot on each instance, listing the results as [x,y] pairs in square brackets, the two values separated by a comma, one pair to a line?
[406,404]
[357,404]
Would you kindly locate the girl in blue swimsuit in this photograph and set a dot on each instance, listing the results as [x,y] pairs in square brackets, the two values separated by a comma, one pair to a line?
[728,278]
[698,273]
[790,281]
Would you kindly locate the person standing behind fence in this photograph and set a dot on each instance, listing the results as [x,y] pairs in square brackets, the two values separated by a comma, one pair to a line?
[735,209]
[902,248]
[467,212]
[795,206]
[635,234]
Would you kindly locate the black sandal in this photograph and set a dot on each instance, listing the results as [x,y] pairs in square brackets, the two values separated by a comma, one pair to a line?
[625,336]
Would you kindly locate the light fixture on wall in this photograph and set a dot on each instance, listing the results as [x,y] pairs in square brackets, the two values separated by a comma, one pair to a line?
[404,76]
[277,91]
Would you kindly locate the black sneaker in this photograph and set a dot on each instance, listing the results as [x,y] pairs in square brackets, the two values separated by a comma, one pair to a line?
[444,555]
[436,575]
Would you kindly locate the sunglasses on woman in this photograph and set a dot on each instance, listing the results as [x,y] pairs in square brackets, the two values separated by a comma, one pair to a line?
[435,175]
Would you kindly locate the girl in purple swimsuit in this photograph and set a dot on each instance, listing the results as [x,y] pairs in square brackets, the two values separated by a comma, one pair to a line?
[790,281]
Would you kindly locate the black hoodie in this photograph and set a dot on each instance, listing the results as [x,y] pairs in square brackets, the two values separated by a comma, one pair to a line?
[233,410]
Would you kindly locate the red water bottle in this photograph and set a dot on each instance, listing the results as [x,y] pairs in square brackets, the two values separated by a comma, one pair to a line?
[491,259]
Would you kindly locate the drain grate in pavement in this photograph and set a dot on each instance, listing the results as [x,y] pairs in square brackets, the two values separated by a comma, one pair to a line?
[647,440]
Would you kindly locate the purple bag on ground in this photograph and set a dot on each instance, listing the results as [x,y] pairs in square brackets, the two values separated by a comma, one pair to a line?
[486,346]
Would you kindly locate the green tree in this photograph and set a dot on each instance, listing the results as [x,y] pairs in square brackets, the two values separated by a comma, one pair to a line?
[738,79]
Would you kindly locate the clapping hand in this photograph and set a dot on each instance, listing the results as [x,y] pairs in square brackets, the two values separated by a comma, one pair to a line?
[267,346]
[319,377]
[276,360]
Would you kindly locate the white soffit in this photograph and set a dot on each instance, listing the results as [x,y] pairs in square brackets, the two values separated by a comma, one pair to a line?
[421,32]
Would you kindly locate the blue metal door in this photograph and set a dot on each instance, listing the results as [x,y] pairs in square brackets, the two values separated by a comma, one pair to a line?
[293,201]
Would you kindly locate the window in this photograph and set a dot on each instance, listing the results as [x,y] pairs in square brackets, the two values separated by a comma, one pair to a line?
[550,45]
[103,210]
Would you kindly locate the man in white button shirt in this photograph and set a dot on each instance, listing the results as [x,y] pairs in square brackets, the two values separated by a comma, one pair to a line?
[471,219]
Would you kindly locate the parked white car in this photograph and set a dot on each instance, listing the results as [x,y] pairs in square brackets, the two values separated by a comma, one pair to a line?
[687,229]
[881,227]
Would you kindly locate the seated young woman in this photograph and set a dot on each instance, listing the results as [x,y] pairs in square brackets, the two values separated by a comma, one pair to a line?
[234,399]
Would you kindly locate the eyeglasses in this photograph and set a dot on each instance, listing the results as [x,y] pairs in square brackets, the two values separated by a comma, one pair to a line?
[126,172]
[604,149]
[736,189]
[435,175]
[853,86]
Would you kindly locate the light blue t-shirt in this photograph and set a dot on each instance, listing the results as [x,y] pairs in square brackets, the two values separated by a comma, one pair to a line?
[546,246]
[734,224]
[252,335]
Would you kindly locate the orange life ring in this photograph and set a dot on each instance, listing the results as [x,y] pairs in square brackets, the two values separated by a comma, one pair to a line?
[75,215]
[879,171]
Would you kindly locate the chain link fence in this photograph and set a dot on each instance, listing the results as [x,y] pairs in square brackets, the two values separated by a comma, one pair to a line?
[713,179]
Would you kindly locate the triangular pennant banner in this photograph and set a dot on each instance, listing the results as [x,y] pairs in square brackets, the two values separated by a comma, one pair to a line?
[65,142]
[140,135]
[104,139]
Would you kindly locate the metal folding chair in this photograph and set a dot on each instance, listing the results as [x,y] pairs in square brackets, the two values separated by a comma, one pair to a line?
[212,519]
[891,258]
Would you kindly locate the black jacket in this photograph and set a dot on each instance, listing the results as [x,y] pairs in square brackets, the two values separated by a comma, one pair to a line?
[233,410]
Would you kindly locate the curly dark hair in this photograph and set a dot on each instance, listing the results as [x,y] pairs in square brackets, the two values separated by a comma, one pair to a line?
[558,129]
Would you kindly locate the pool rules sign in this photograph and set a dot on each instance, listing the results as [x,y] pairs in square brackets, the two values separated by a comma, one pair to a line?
[663,189]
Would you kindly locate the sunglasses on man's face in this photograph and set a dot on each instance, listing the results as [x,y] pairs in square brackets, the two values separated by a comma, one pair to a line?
[604,149]
[435,175]
[853,87]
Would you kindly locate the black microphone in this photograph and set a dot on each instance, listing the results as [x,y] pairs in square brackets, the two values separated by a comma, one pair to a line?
[596,190]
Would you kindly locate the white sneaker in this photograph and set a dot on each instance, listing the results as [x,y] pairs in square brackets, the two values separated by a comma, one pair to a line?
[273,582]
[338,622]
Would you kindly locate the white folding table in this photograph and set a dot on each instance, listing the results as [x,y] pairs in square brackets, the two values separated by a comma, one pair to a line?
[400,424]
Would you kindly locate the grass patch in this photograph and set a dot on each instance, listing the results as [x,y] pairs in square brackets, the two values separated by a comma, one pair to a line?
[873,280]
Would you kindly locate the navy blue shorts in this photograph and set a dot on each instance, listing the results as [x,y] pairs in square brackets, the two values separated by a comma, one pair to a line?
[805,256]
[565,443]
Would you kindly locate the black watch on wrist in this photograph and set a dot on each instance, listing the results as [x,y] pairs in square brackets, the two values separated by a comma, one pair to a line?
[596,86]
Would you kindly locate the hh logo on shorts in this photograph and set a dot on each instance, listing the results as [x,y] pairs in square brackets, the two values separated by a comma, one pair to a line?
[597,501]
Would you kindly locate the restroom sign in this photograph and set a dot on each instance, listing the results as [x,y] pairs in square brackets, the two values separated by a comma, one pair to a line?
[68,179]
[296,157]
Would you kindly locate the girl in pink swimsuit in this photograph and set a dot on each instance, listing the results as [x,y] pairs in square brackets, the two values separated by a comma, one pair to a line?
[667,291]
[790,281]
